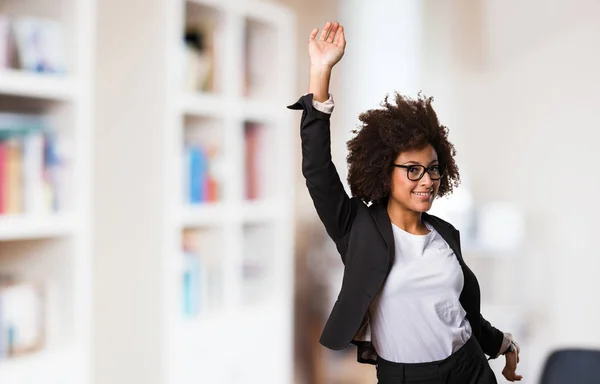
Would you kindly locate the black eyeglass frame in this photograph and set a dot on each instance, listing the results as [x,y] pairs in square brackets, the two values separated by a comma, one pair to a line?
[441,170]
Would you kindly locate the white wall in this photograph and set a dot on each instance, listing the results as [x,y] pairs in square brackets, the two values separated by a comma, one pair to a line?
[530,112]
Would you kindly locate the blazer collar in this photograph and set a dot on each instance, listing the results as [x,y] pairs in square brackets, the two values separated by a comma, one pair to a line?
[382,219]
[447,231]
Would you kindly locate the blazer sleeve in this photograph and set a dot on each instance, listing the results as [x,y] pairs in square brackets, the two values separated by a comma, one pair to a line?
[491,338]
[333,205]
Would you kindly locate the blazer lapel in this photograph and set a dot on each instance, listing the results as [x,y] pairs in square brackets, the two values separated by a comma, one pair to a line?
[382,219]
[448,233]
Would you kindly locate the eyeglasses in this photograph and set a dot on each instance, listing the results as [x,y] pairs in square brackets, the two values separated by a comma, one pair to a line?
[416,172]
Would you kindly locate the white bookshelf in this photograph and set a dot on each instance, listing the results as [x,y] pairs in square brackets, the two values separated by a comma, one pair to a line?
[23,227]
[233,342]
[146,116]
[53,249]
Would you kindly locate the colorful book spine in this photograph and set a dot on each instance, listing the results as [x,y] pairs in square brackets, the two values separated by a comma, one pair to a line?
[259,159]
[33,173]
[30,166]
[191,283]
[251,142]
[3,184]
[13,177]
[200,182]
[52,169]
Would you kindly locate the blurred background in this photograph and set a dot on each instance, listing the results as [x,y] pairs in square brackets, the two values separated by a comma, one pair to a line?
[154,223]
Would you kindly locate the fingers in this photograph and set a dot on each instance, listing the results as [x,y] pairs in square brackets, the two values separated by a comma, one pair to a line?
[329,32]
[325,31]
[313,34]
[511,376]
[332,32]
[340,39]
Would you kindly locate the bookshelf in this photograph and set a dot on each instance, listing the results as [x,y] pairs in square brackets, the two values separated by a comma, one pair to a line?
[193,264]
[45,247]
[246,234]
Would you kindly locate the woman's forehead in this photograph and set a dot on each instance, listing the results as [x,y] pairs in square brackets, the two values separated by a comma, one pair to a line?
[423,155]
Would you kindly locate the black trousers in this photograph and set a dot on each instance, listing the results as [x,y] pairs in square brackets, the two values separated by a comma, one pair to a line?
[468,365]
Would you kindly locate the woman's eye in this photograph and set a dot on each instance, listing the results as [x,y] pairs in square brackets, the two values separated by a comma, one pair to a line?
[414,170]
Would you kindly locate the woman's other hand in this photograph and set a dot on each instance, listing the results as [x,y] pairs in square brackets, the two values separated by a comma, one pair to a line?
[328,49]
[510,368]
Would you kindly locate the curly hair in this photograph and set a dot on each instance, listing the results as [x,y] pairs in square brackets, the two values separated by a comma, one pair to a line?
[385,133]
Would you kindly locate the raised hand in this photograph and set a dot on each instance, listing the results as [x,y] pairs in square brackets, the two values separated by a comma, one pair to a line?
[329,48]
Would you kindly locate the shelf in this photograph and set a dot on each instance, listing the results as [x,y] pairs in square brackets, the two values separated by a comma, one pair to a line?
[202,215]
[34,85]
[249,212]
[201,104]
[48,367]
[21,227]
[260,211]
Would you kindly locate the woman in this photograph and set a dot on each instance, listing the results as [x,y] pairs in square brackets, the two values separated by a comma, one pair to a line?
[408,301]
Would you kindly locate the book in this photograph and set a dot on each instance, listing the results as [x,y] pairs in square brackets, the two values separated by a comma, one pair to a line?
[201,183]
[199,56]
[260,160]
[5,42]
[22,321]
[31,168]
[252,147]
[39,44]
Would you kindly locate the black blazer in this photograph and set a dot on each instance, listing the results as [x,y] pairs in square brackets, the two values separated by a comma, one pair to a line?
[364,238]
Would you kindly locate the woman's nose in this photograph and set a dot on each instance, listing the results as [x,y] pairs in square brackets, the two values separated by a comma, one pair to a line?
[426,180]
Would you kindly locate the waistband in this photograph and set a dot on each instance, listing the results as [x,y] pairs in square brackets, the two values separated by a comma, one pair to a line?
[467,351]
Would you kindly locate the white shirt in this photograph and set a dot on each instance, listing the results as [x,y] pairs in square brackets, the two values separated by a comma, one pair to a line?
[417,317]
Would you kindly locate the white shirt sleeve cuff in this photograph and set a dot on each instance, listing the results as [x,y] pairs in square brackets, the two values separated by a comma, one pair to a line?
[326,106]
[508,338]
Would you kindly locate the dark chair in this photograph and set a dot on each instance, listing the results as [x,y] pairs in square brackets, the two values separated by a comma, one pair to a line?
[572,366]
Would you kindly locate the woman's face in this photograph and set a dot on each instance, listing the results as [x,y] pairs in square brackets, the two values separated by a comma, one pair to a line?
[414,195]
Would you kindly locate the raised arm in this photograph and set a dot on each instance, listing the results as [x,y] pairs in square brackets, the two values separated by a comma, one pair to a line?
[326,190]
[325,52]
